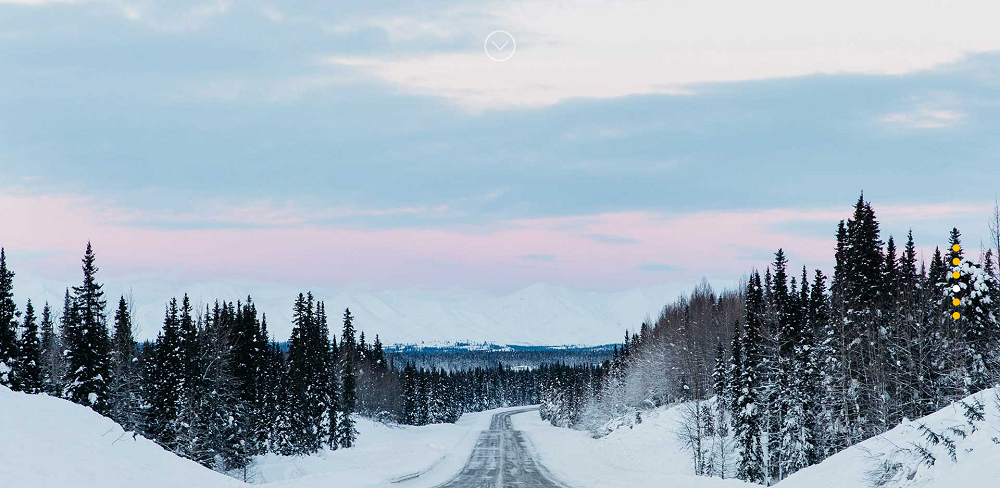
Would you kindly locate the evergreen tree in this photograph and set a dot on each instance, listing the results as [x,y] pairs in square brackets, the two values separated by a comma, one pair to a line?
[250,369]
[971,291]
[346,432]
[68,329]
[410,409]
[189,426]
[861,334]
[331,392]
[735,370]
[8,325]
[309,368]
[797,442]
[125,391]
[29,378]
[88,343]
[747,415]
[166,382]
[52,360]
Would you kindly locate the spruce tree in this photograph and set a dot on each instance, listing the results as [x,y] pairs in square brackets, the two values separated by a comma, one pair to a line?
[30,360]
[166,380]
[331,386]
[910,340]
[936,385]
[68,331]
[88,343]
[125,391]
[969,294]
[252,371]
[410,409]
[303,437]
[862,329]
[346,432]
[747,418]
[8,325]
[311,396]
[735,370]
[827,364]
[52,359]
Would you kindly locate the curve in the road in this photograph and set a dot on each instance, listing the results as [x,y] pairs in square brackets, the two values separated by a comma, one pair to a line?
[501,459]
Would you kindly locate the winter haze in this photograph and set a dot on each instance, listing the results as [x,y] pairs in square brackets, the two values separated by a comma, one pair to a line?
[515,243]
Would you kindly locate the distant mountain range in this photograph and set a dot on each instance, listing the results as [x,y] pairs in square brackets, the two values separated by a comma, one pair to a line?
[537,315]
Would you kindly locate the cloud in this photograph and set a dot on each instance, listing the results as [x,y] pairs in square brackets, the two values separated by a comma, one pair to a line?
[174,16]
[614,49]
[171,16]
[658,267]
[924,119]
[611,239]
[548,258]
[37,3]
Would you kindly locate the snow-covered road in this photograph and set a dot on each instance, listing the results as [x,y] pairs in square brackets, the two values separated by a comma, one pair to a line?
[501,458]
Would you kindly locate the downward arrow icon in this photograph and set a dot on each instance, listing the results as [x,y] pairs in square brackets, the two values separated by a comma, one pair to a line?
[503,47]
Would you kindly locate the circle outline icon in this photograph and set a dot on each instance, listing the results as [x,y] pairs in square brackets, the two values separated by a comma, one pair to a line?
[486,45]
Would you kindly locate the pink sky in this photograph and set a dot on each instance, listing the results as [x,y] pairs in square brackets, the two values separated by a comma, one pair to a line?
[631,249]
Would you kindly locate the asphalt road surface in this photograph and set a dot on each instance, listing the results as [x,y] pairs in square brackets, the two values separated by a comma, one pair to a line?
[501,459]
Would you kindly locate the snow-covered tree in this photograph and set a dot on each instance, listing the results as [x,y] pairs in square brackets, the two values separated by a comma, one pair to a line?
[125,386]
[8,325]
[346,432]
[87,342]
[747,415]
[29,376]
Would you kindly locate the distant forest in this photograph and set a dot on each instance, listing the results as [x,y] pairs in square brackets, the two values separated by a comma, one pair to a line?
[794,366]
[459,357]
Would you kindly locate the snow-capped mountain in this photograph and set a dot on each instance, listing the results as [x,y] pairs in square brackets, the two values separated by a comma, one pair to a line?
[537,315]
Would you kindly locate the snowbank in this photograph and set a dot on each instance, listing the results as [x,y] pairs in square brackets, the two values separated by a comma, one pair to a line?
[646,455]
[400,456]
[649,454]
[977,463]
[48,442]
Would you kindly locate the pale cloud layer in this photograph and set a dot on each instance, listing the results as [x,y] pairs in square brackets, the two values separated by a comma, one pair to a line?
[611,49]
[923,119]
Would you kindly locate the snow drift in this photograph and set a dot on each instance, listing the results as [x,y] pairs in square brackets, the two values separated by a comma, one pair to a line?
[948,448]
[49,442]
[945,449]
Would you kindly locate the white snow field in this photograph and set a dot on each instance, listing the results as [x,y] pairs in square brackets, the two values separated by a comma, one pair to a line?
[977,454]
[47,442]
[649,454]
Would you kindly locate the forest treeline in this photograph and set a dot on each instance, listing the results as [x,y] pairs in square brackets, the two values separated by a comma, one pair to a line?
[215,387]
[792,366]
[455,358]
